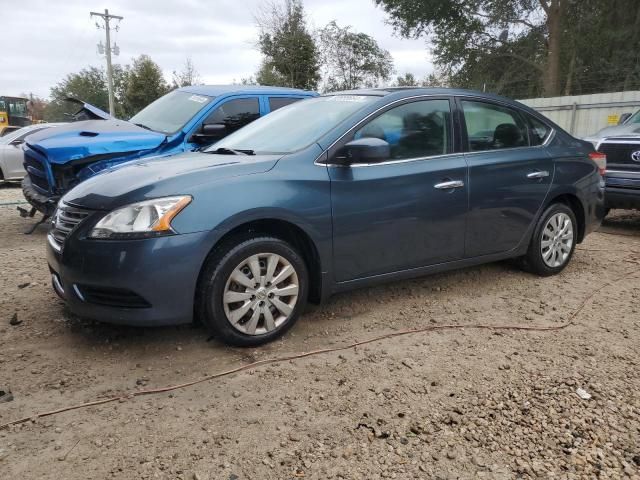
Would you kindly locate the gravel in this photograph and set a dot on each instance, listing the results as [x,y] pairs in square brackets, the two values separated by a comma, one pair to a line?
[464,404]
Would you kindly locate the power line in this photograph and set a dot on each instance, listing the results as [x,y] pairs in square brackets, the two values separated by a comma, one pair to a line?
[106,17]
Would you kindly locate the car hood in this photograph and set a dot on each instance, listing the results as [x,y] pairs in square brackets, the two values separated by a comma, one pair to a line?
[162,176]
[618,130]
[87,111]
[79,140]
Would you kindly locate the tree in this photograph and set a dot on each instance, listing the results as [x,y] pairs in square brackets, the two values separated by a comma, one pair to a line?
[187,76]
[528,47]
[433,80]
[352,60]
[145,83]
[529,31]
[407,80]
[88,85]
[36,106]
[290,53]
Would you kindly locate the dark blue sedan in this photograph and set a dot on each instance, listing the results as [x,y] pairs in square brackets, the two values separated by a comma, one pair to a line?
[337,192]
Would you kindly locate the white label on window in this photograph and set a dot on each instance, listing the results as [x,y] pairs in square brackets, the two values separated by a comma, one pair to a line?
[198,98]
[348,98]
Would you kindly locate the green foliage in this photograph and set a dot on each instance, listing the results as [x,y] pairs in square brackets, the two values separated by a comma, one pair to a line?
[407,80]
[133,89]
[90,86]
[433,80]
[526,48]
[290,53]
[352,60]
[145,83]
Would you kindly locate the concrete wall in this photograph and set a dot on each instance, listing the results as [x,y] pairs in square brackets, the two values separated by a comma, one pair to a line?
[584,115]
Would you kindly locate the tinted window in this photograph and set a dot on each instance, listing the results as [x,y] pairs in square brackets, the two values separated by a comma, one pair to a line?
[414,130]
[538,131]
[297,126]
[170,113]
[235,113]
[493,127]
[276,103]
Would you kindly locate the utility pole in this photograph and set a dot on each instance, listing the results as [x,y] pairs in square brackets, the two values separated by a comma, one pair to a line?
[107,17]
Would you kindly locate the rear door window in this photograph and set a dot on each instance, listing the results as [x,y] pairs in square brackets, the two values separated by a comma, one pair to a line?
[493,127]
[278,102]
[235,113]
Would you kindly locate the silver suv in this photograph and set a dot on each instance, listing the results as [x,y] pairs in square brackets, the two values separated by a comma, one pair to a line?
[629,125]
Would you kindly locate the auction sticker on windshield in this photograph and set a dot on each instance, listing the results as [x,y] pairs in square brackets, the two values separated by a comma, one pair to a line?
[348,98]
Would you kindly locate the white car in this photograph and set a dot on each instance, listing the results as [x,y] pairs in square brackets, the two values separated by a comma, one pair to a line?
[11,154]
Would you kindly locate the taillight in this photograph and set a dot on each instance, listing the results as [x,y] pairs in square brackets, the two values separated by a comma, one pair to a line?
[600,160]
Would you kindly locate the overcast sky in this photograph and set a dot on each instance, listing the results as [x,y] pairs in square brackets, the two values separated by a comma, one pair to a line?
[43,40]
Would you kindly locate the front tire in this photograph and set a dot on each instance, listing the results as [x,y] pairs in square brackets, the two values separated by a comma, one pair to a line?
[252,292]
[553,241]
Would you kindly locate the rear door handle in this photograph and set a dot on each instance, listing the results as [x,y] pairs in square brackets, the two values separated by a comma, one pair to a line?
[448,185]
[538,174]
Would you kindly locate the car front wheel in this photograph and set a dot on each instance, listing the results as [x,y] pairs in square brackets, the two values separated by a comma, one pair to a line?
[553,241]
[253,292]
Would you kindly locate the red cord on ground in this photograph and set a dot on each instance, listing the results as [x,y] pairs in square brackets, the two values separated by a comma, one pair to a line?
[378,338]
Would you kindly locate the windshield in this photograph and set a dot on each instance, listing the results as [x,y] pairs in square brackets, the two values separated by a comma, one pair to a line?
[170,113]
[295,126]
[635,118]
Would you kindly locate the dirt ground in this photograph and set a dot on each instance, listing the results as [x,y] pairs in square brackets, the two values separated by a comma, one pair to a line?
[451,404]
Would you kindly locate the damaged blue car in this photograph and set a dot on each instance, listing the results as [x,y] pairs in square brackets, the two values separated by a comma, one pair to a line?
[185,119]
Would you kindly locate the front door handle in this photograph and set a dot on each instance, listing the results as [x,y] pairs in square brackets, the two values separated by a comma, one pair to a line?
[448,185]
[538,174]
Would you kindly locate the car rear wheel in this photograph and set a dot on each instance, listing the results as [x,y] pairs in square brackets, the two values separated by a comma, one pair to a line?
[252,293]
[553,241]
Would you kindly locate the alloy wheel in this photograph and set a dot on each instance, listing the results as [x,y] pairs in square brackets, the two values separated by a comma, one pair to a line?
[261,293]
[557,240]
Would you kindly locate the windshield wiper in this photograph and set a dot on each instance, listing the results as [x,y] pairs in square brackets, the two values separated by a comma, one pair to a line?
[142,125]
[232,151]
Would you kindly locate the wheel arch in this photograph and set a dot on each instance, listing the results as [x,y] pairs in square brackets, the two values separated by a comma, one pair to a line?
[572,201]
[285,230]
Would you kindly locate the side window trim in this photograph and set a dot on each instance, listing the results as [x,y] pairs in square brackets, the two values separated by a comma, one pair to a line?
[348,136]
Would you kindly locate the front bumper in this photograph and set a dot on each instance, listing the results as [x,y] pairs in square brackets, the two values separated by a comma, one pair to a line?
[148,282]
[45,205]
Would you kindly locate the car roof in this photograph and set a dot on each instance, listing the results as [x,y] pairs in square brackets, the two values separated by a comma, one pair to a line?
[398,93]
[218,90]
[401,92]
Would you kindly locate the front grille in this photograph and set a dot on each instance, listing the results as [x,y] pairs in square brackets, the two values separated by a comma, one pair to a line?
[619,153]
[34,164]
[65,219]
[112,297]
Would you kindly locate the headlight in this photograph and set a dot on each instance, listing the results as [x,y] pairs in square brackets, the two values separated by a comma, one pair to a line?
[141,220]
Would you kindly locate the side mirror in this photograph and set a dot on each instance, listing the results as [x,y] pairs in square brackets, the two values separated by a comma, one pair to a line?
[210,132]
[365,150]
[623,118]
[17,142]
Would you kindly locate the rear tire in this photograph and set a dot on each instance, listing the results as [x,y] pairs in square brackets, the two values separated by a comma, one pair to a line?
[253,291]
[553,241]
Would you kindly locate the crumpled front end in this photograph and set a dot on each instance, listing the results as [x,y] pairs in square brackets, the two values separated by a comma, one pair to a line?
[58,160]
[38,185]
